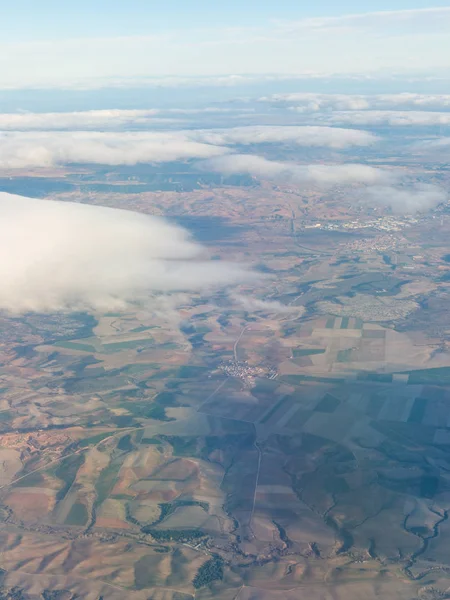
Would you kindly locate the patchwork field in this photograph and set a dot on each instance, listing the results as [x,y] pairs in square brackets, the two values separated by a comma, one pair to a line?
[138,464]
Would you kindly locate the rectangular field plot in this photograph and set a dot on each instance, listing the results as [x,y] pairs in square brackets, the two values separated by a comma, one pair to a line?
[242,406]
[328,404]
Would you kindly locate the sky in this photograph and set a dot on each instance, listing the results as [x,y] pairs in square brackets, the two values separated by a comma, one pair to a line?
[97,43]
[56,20]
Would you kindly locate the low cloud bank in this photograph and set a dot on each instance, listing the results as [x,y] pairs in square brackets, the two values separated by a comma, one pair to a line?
[89,119]
[416,198]
[20,149]
[331,137]
[287,172]
[436,144]
[311,102]
[253,305]
[105,118]
[62,256]
[379,187]
[394,118]
[46,149]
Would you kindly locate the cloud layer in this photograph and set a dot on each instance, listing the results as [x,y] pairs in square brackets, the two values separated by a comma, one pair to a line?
[66,256]
[393,118]
[44,149]
[374,186]
[416,198]
[366,110]
[20,149]
[254,305]
[312,102]
[331,137]
[288,172]
[108,118]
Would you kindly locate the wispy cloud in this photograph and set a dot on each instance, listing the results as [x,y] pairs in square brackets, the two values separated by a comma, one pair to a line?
[64,256]
[434,18]
[253,305]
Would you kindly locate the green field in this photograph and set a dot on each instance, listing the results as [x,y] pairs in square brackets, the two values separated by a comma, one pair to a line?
[265,385]
[125,443]
[297,379]
[187,372]
[32,480]
[6,415]
[298,352]
[138,368]
[345,321]
[328,404]
[439,376]
[67,471]
[130,345]
[145,410]
[344,355]
[418,410]
[359,324]
[274,408]
[377,377]
[76,346]
[78,515]
[95,439]
[211,570]
[166,399]
[106,481]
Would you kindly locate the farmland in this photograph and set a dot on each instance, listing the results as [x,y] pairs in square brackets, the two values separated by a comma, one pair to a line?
[234,450]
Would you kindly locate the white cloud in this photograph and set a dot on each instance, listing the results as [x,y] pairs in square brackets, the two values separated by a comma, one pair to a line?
[98,119]
[435,144]
[207,110]
[307,103]
[168,82]
[406,200]
[90,119]
[312,102]
[387,117]
[288,172]
[66,256]
[376,187]
[332,137]
[253,305]
[431,19]
[417,101]
[19,149]
[44,149]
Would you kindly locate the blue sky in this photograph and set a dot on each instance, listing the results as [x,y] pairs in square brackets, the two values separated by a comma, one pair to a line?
[32,19]
[92,42]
